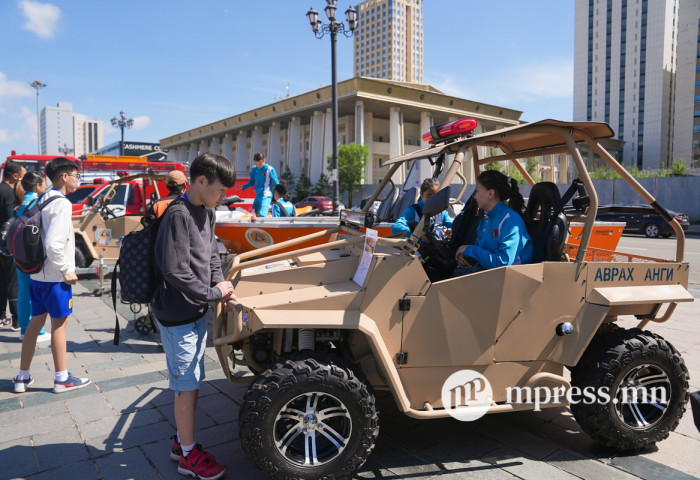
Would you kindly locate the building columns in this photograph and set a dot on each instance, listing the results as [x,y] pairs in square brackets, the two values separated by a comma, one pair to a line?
[368,139]
[294,145]
[396,139]
[192,153]
[317,141]
[256,145]
[214,146]
[328,141]
[227,149]
[274,147]
[360,123]
[242,151]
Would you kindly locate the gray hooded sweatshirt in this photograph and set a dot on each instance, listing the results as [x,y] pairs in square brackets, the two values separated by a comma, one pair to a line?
[187,255]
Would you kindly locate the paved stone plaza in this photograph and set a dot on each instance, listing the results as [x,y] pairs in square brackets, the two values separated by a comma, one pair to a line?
[119,427]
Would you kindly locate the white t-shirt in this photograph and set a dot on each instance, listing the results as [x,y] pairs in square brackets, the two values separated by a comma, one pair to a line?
[58,237]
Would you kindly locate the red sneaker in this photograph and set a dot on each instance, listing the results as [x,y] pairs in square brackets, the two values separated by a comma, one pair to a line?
[200,464]
[176,450]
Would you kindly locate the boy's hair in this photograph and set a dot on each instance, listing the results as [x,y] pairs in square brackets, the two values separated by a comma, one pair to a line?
[258,156]
[214,167]
[31,180]
[58,166]
[429,182]
[11,168]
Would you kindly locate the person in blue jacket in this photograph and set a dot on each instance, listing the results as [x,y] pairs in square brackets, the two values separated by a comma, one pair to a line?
[501,238]
[413,213]
[264,178]
[282,200]
[33,186]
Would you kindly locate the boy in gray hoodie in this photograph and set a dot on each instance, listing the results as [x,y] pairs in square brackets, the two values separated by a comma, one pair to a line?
[187,256]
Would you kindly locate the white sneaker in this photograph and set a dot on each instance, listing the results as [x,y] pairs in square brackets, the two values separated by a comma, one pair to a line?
[71,383]
[21,385]
[45,337]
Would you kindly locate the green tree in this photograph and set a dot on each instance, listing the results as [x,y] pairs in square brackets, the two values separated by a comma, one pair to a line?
[288,177]
[352,161]
[323,186]
[532,163]
[303,187]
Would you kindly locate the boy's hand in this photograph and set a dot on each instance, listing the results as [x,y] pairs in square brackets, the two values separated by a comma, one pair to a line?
[70,278]
[226,289]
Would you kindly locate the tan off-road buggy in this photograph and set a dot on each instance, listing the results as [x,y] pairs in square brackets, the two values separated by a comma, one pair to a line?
[318,344]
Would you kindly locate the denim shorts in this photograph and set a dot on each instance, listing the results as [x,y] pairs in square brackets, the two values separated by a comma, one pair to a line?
[184,353]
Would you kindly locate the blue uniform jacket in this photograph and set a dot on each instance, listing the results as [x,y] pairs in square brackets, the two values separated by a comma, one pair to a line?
[411,215]
[289,206]
[265,179]
[501,239]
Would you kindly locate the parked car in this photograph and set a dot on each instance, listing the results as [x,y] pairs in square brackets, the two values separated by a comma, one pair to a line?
[322,204]
[641,219]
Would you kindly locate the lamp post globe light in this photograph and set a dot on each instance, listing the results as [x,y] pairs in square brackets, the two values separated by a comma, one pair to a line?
[37,85]
[333,27]
[122,123]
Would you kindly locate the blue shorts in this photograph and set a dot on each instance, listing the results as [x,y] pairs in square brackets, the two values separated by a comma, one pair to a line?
[56,298]
[184,353]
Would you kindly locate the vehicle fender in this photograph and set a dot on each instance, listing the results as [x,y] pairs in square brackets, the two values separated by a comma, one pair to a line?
[79,234]
[639,295]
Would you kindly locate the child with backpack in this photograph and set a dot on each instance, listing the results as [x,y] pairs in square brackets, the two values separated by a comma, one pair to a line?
[187,257]
[31,187]
[263,178]
[50,286]
[413,213]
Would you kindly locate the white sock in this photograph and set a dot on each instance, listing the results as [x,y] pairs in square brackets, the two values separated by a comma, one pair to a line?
[187,449]
[61,376]
[23,375]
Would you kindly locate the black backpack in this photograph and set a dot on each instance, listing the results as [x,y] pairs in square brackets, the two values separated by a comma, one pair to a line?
[23,237]
[138,275]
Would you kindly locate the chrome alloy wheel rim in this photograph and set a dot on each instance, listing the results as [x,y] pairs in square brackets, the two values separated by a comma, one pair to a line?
[643,396]
[312,429]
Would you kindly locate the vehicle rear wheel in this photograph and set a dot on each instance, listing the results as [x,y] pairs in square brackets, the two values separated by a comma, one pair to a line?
[652,230]
[308,417]
[647,383]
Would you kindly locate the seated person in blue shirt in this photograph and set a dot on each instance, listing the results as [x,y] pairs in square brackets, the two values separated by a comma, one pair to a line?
[413,213]
[282,199]
[501,238]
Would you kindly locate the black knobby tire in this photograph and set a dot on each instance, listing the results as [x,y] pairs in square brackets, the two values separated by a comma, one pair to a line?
[623,358]
[82,259]
[652,230]
[294,382]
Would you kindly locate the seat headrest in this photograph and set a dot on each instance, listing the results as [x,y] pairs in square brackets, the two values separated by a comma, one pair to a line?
[544,197]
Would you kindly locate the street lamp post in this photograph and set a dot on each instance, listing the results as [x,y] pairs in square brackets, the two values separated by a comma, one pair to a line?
[333,27]
[65,150]
[36,84]
[122,123]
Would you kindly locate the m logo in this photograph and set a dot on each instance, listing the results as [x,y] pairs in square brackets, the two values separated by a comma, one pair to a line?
[467,395]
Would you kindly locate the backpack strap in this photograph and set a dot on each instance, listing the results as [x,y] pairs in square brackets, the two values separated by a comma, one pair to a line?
[284,210]
[114,303]
[418,209]
[46,202]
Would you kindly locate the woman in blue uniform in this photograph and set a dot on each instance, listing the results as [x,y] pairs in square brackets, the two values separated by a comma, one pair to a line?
[264,178]
[413,213]
[282,199]
[501,238]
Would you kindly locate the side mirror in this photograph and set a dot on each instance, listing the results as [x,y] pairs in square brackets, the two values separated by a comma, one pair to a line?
[90,201]
[437,203]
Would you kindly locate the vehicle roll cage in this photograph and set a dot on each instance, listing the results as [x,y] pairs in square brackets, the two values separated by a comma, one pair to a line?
[534,139]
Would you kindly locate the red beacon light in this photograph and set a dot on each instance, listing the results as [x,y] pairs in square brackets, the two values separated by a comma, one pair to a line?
[458,128]
[98,181]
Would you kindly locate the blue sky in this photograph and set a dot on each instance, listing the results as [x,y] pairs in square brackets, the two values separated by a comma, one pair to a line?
[174,65]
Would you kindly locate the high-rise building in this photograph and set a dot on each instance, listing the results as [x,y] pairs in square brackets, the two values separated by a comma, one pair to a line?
[87,134]
[57,128]
[389,40]
[686,135]
[629,71]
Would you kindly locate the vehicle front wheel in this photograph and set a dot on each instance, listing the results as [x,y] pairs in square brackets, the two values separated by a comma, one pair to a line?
[646,382]
[82,259]
[652,230]
[308,417]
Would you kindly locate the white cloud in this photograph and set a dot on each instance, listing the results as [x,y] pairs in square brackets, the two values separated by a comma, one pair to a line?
[11,89]
[535,82]
[42,18]
[141,123]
